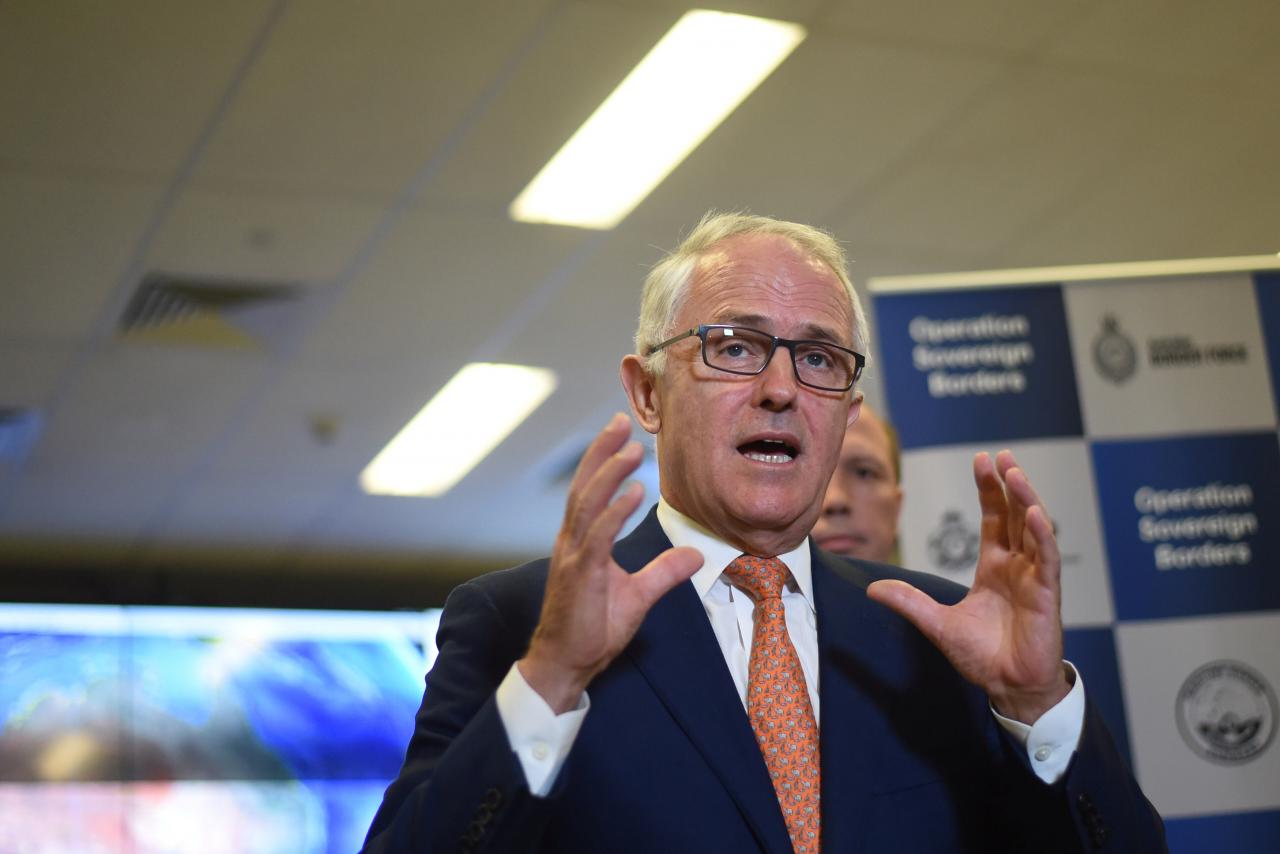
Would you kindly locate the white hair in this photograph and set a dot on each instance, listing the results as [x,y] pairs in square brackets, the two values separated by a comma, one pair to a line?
[667,284]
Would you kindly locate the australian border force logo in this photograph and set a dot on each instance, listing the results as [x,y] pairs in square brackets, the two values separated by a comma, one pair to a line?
[953,545]
[1113,352]
[1226,712]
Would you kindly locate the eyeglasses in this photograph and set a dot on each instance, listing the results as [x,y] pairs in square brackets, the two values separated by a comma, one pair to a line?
[742,350]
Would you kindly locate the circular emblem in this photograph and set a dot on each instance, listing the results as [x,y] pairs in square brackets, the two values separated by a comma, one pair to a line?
[1113,352]
[1226,712]
[953,546]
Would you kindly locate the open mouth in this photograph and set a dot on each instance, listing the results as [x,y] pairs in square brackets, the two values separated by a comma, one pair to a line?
[769,451]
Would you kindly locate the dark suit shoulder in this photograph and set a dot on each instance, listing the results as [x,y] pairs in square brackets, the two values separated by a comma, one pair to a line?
[514,593]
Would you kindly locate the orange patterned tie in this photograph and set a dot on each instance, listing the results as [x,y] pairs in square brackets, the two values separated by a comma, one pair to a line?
[778,703]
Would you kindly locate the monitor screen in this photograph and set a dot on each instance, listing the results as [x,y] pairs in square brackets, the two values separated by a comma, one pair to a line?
[146,729]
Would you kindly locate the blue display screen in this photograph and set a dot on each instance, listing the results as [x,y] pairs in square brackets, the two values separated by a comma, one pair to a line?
[161,729]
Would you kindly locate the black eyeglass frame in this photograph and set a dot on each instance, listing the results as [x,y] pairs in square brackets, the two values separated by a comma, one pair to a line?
[859,360]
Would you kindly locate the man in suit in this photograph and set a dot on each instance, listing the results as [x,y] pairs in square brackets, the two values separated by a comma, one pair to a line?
[864,498]
[714,683]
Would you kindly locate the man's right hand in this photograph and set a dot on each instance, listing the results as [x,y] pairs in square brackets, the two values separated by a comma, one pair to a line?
[592,606]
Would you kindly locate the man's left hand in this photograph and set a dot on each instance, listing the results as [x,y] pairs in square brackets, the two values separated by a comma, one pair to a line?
[1005,636]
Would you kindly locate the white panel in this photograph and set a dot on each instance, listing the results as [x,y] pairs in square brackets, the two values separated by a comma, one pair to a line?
[1186,355]
[941,518]
[1156,661]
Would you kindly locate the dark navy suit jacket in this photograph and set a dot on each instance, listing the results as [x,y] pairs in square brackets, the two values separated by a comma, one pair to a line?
[912,759]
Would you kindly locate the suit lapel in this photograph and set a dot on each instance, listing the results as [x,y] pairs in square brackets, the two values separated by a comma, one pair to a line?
[677,653]
[852,634]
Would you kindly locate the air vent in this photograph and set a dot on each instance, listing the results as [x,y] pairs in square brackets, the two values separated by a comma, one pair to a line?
[19,429]
[203,312]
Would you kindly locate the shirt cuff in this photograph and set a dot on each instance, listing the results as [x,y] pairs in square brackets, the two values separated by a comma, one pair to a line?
[1052,740]
[540,738]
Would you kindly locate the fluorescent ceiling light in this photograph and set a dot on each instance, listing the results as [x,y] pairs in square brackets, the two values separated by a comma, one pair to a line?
[457,428]
[695,76]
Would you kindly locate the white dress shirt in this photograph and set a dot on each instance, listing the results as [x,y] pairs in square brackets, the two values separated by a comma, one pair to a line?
[542,739]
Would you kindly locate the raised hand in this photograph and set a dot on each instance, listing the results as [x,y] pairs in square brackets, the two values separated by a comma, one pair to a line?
[1005,636]
[592,606]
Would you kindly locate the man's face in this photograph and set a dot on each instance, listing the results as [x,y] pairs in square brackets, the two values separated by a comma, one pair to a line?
[749,456]
[860,514]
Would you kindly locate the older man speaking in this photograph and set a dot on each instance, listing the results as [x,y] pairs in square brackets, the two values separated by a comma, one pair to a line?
[668,693]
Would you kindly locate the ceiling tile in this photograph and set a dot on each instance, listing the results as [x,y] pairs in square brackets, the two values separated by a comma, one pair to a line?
[1025,144]
[239,510]
[144,411]
[30,371]
[583,54]
[75,504]
[262,237]
[439,289]
[118,86]
[359,102]
[800,148]
[66,244]
[999,26]
[1181,39]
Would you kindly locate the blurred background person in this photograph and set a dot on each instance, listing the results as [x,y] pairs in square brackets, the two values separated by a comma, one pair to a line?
[864,498]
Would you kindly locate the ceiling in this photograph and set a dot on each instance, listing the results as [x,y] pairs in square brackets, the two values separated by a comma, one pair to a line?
[367,159]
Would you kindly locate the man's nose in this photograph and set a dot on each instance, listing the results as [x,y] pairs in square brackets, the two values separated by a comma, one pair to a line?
[777,385]
[836,502]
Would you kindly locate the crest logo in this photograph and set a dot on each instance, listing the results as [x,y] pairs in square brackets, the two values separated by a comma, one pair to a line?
[1226,712]
[1114,355]
[953,546]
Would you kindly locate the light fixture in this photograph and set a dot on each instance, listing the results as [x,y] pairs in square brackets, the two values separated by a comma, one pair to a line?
[692,79]
[457,428]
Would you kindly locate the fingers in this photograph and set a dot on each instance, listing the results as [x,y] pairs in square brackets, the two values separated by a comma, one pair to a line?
[1021,496]
[662,573]
[992,502]
[911,604]
[606,443]
[597,545]
[1045,545]
[1006,466]
[607,462]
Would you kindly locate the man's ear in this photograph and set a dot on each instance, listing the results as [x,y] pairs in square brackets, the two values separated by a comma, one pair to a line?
[642,392]
[855,409]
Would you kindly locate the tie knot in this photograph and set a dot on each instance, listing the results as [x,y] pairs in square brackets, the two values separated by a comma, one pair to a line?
[761,577]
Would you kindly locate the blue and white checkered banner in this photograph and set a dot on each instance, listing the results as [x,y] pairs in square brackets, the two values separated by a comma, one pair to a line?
[1142,400]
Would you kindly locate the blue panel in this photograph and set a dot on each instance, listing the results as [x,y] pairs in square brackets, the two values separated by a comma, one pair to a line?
[1237,833]
[978,366]
[1093,652]
[1192,525]
[1267,286]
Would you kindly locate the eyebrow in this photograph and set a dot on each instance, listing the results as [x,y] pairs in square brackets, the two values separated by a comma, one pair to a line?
[811,331]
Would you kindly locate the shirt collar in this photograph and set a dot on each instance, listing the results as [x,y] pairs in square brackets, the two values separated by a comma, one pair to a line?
[717,554]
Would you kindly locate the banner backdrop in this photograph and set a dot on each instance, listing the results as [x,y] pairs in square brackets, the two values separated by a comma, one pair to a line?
[1141,399]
